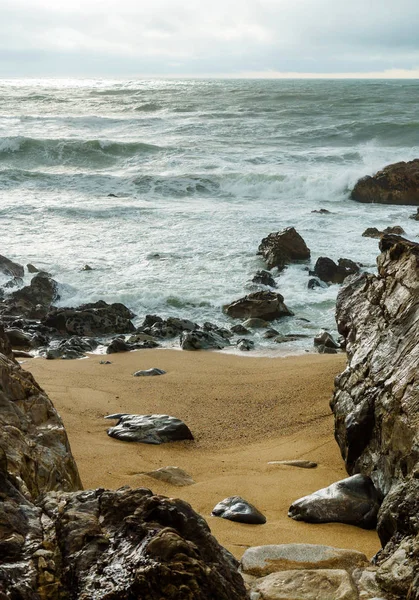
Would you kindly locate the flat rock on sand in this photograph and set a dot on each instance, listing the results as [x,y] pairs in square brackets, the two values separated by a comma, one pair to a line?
[243,411]
[324,584]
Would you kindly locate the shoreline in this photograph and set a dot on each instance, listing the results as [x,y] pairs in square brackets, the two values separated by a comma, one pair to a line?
[243,414]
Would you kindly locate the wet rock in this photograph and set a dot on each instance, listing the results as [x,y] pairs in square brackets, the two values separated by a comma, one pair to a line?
[396,184]
[237,509]
[138,338]
[149,429]
[260,561]
[262,305]
[286,246]
[330,272]
[202,340]
[98,318]
[221,331]
[372,232]
[354,501]
[335,584]
[172,475]
[31,268]
[87,268]
[149,373]
[302,464]
[270,333]
[8,267]
[181,324]
[395,229]
[239,330]
[415,216]
[14,283]
[34,300]
[322,211]
[22,354]
[19,339]
[324,338]
[119,345]
[315,282]
[245,345]
[255,323]
[264,278]
[73,348]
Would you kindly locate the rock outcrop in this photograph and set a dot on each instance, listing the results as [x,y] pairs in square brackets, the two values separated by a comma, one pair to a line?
[261,305]
[395,184]
[376,401]
[57,542]
[96,318]
[8,267]
[34,300]
[283,247]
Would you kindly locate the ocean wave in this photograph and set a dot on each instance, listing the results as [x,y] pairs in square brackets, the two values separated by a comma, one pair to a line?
[67,151]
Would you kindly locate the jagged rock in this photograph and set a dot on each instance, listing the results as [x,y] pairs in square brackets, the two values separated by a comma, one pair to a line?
[397,183]
[149,373]
[324,338]
[8,267]
[202,340]
[262,305]
[255,323]
[260,561]
[245,344]
[92,319]
[239,330]
[74,347]
[172,475]
[324,584]
[283,247]
[264,278]
[330,272]
[353,500]
[237,509]
[34,300]
[222,331]
[148,429]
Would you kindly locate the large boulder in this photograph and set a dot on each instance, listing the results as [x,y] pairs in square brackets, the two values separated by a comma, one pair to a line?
[34,300]
[328,271]
[59,542]
[395,184]
[283,247]
[149,429]
[261,305]
[8,267]
[99,318]
[202,340]
[376,398]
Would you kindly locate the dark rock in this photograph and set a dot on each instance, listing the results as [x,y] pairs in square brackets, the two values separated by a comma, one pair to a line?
[255,323]
[149,429]
[321,349]
[19,339]
[8,267]
[322,211]
[202,340]
[283,247]
[354,501]
[396,184]
[396,229]
[263,305]
[32,268]
[330,272]
[372,232]
[415,217]
[118,345]
[245,344]
[315,282]
[22,354]
[324,338]
[74,347]
[105,362]
[87,268]
[181,324]
[239,330]
[270,333]
[98,318]
[13,283]
[34,300]
[264,278]
[149,373]
[237,509]
[150,320]
[222,331]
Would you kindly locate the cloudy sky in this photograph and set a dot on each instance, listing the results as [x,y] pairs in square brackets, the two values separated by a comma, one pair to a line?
[239,38]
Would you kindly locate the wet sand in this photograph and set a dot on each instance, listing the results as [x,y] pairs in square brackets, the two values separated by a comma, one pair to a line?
[243,412]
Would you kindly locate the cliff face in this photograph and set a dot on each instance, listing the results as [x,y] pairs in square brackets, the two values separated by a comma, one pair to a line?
[60,543]
[376,401]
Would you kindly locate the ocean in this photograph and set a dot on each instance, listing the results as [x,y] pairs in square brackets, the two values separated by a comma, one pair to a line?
[166,187]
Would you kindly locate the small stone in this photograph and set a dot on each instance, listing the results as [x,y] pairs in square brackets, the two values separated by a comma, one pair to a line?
[303,464]
[31,268]
[237,509]
[149,372]
[172,475]
[105,362]
[87,268]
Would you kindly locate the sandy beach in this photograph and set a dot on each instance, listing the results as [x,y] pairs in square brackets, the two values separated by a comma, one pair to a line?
[243,412]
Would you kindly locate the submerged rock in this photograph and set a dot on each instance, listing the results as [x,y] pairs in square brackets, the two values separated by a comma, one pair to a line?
[264,278]
[354,501]
[8,267]
[237,509]
[262,305]
[397,183]
[148,429]
[286,246]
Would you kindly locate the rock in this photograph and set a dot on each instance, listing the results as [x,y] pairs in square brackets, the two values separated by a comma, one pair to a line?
[354,501]
[98,318]
[118,345]
[138,338]
[13,283]
[105,362]
[321,349]
[283,247]
[255,323]
[322,211]
[321,584]
[172,475]
[34,300]
[315,282]
[270,333]
[303,464]
[396,229]
[396,184]
[31,268]
[87,268]
[237,509]
[260,561]
[202,340]
[324,338]
[149,429]
[8,267]
[240,330]
[262,305]
[264,278]
[372,232]
[181,324]
[74,347]
[22,354]
[19,339]
[221,331]
[245,344]
[149,373]
[330,272]
[415,216]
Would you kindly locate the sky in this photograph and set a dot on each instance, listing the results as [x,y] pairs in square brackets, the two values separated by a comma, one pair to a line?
[209,38]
